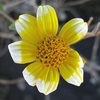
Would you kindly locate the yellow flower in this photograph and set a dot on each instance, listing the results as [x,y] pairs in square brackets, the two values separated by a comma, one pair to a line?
[48,52]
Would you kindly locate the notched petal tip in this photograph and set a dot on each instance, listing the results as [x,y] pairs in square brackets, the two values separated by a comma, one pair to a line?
[13,54]
[26,26]
[76,79]
[46,15]
[49,83]
[22,52]
[45,79]
[29,78]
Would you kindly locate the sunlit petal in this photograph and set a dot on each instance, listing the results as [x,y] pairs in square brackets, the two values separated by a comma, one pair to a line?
[74,30]
[22,52]
[46,79]
[47,20]
[26,27]
[71,70]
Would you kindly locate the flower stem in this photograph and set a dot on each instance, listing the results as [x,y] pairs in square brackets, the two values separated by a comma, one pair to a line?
[47,97]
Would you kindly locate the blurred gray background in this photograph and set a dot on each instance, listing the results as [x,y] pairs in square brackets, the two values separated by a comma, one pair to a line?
[12,84]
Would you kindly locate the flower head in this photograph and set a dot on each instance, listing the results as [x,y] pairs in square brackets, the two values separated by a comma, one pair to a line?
[51,52]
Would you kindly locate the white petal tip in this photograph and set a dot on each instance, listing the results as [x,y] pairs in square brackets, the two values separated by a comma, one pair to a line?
[29,78]
[74,80]
[43,87]
[13,53]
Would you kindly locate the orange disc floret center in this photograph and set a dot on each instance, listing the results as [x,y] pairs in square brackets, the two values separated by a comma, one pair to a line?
[52,51]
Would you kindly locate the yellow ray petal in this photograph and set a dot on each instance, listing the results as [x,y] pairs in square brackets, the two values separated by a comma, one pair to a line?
[22,52]
[31,72]
[47,20]
[71,70]
[74,30]
[74,59]
[46,79]
[27,28]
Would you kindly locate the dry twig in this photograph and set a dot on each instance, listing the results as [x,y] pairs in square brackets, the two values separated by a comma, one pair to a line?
[90,21]
[9,36]
[90,34]
[11,82]
[13,4]
[7,16]
[73,3]
[92,68]
[47,97]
